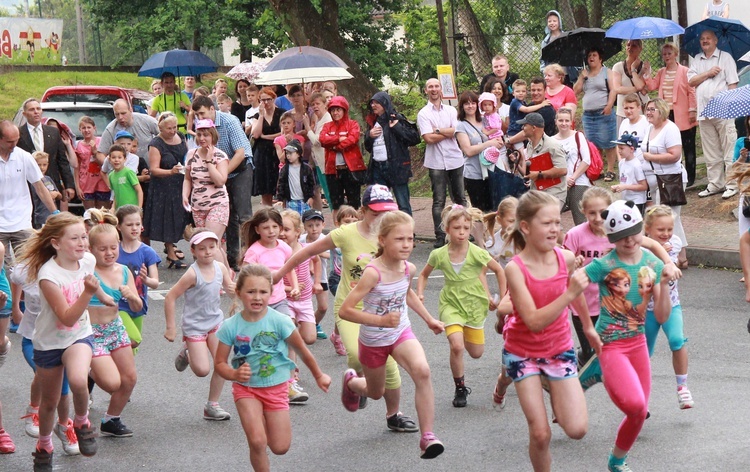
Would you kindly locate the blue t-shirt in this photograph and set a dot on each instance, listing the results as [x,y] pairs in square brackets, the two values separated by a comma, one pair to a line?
[133,261]
[284,103]
[514,115]
[5,287]
[261,343]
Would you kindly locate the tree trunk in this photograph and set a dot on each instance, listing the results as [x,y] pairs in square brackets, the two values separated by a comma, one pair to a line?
[596,13]
[476,43]
[568,16]
[307,26]
[581,15]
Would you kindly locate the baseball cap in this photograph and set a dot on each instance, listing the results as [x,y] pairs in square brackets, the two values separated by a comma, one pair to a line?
[294,146]
[533,119]
[629,140]
[312,214]
[379,198]
[622,219]
[123,134]
[204,124]
[202,236]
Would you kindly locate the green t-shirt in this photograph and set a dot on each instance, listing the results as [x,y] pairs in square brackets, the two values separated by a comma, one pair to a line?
[618,316]
[164,102]
[356,252]
[123,184]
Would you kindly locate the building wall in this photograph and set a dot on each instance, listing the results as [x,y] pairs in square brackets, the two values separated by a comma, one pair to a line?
[738,10]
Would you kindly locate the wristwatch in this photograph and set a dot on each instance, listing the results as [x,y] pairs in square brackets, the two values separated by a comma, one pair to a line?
[539,176]
[437,130]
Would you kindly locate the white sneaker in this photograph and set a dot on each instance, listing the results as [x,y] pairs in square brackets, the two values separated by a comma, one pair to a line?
[68,438]
[296,394]
[729,193]
[684,398]
[32,422]
[182,360]
[215,413]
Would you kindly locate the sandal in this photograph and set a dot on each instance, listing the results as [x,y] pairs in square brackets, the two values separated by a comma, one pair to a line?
[609,176]
[175,263]
[177,253]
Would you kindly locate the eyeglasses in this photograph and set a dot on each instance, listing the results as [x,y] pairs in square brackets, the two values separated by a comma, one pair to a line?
[266,100]
[650,110]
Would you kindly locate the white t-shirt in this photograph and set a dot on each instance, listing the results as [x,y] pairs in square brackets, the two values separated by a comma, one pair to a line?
[49,332]
[379,152]
[250,116]
[571,152]
[501,251]
[16,174]
[131,162]
[295,188]
[669,136]
[630,174]
[31,300]
[640,129]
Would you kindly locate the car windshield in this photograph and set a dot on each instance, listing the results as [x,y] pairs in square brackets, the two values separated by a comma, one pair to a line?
[101,116]
[83,97]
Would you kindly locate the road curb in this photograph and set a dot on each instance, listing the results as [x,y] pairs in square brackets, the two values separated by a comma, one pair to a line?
[713,257]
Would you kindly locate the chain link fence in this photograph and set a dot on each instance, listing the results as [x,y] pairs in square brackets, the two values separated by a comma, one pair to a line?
[477,30]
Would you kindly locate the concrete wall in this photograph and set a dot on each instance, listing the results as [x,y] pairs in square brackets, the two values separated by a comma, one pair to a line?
[738,10]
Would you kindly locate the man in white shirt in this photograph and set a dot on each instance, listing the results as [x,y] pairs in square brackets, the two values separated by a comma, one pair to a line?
[711,72]
[443,157]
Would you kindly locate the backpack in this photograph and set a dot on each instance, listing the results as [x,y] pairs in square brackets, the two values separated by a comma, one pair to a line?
[597,164]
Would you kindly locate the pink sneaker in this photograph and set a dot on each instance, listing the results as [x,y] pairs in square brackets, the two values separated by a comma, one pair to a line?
[349,398]
[6,443]
[338,345]
[430,446]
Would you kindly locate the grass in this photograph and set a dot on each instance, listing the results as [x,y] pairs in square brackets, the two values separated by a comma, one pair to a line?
[15,87]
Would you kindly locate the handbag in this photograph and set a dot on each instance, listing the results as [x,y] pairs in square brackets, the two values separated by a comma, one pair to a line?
[671,191]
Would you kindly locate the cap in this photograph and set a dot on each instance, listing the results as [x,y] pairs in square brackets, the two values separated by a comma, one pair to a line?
[312,214]
[622,219]
[294,146]
[487,97]
[202,236]
[379,198]
[533,119]
[123,134]
[204,124]
[86,215]
[628,140]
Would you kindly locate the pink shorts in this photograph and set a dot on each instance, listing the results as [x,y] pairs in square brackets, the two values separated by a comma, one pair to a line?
[274,398]
[375,356]
[218,214]
[201,338]
[301,310]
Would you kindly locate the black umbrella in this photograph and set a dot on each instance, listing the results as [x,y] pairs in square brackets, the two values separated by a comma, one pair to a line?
[569,49]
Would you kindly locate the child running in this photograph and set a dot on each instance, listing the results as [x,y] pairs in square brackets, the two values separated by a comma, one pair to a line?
[501,248]
[202,316]
[623,356]
[659,225]
[142,262]
[385,329]
[465,297]
[346,215]
[6,443]
[113,365]
[538,344]
[314,221]
[57,258]
[257,339]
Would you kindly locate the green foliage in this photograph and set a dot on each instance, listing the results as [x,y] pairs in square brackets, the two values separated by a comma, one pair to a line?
[422,52]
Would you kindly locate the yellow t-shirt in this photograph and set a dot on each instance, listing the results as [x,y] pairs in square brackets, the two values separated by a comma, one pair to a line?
[164,102]
[356,252]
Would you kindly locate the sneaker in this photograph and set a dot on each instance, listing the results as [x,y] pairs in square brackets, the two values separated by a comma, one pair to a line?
[68,438]
[707,193]
[591,373]
[86,440]
[32,422]
[430,446]
[498,396]
[115,428]
[624,467]
[684,398]
[42,460]
[349,398]
[401,423]
[215,413]
[338,344]
[729,193]
[320,333]
[4,354]
[459,399]
[6,443]
[362,402]
[13,328]
[182,361]
[297,394]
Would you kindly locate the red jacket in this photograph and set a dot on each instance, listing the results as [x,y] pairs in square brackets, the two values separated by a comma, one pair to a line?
[349,147]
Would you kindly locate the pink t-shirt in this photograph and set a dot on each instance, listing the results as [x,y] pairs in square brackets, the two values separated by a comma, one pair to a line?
[581,241]
[281,142]
[89,177]
[273,258]
[566,95]
[553,339]
[304,279]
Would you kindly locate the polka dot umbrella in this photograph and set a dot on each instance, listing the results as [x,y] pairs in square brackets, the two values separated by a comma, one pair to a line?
[729,104]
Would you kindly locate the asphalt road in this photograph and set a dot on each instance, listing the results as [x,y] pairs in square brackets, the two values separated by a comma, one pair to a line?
[170,434]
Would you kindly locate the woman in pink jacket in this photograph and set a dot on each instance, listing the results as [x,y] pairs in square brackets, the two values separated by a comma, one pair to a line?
[672,83]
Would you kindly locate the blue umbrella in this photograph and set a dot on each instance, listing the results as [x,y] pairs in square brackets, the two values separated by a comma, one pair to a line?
[734,37]
[180,62]
[729,104]
[645,27]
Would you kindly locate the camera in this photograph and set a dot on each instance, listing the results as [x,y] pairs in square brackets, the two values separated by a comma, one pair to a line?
[747,144]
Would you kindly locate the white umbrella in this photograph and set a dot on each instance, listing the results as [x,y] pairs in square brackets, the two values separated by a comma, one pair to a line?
[297,65]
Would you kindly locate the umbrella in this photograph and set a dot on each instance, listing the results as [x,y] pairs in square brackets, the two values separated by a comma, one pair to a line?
[313,51]
[645,27]
[729,104]
[734,37]
[180,62]
[246,70]
[569,49]
[296,66]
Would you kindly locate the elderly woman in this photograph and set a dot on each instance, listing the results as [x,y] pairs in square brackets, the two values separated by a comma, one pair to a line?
[559,94]
[265,130]
[630,76]
[203,189]
[599,123]
[672,83]
[662,149]
[164,216]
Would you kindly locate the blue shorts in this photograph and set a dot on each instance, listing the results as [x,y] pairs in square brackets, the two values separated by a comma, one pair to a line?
[100,196]
[600,129]
[558,367]
[300,206]
[28,353]
[4,314]
[53,357]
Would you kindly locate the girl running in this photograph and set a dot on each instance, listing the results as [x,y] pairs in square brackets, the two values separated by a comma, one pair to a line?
[465,297]
[659,225]
[142,262]
[538,344]
[57,258]
[113,365]
[202,316]
[257,339]
[385,329]
[346,215]
[499,247]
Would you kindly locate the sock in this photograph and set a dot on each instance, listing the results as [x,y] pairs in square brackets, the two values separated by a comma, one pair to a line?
[459,381]
[108,417]
[45,442]
[32,409]
[212,403]
[616,460]
[80,421]
[681,380]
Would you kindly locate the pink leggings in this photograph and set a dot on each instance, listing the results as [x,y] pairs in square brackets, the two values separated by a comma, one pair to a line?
[627,378]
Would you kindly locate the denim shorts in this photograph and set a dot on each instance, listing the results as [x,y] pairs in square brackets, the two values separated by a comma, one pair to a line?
[28,353]
[53,358]
[600,129]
